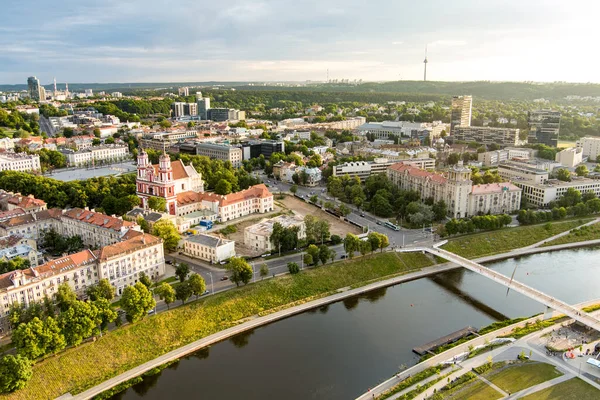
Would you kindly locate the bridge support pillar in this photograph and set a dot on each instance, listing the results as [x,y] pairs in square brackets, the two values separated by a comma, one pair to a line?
[548,313]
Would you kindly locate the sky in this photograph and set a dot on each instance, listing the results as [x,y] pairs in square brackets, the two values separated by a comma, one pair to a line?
[297,40]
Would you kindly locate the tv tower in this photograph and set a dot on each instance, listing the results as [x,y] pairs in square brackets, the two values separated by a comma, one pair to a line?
[425,66]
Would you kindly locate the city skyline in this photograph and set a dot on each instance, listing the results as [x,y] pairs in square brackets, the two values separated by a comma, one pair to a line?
[238,40]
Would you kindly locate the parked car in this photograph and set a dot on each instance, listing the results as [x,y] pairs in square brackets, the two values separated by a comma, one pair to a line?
[205,292]
[362,214]
[224,278]
[151,311]
[169,262]
[343,256]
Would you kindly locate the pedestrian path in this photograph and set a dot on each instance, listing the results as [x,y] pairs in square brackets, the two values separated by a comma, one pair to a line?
[538,244]
[490,384]
[540,386]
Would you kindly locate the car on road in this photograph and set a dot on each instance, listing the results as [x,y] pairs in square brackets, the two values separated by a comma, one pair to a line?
[151,311]
[169,262]
[223,262]
[205,292]
[343,256]
[224,278]
[362,214]
[379,222]
[266,255]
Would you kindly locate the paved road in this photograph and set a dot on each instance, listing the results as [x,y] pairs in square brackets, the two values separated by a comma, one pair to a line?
[46,126]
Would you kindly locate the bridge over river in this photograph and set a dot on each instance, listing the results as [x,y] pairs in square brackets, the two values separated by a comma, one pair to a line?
[549,301]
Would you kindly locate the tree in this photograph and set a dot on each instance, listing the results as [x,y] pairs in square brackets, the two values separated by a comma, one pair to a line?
[317,230]
[146,281]
[351,244]
[103,290]
[294,189]
[65,296]
[38,338]
[166,293]
[136,301]
[324,253]
[364,247]
[168,233]
[344,210]
[15,372]
[453,158]
[439,210]
[106,314]
[313,251]
[293,268]
[223,187]
[384,241]
[183,291]
[336,239]
[571,197]
[182,271]
[563,175]
[78,322]
[264,270]
[240,269]
[308,260]
[314,198]
[375,240]
[157,204]
[197,285]
[582,170]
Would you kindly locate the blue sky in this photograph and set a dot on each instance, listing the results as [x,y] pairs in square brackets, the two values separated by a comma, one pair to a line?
[227,40]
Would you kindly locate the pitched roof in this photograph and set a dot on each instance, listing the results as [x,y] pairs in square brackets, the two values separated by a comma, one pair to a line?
[179,170]
[98,219]
[135,243]
[26,202]
[4,215]
[207,240]
[64,263]
[417,172]
[256,191]
[494,188]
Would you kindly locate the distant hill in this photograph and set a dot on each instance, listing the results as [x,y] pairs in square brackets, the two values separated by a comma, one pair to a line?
[423,90]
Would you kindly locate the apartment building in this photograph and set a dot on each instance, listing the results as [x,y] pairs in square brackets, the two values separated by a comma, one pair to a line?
[590,147]
[258,236]
[223,152]
[516,171]
[31,226]
[209,248]
[96,229]
[404,129]
[493,158]
[22,162]
[120,263]
[486,135]
[255,148]
[12,201]
[460,114]
[163,140]
[494,198]
[364,169]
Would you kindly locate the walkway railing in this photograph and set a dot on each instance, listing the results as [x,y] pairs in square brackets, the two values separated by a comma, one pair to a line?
[519,287]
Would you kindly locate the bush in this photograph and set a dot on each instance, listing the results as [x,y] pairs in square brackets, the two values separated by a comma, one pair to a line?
[293,268]
[335,239]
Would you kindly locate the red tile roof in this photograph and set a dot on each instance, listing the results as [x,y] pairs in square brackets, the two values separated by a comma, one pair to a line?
[135,243]
[414,171]
[98,219]
[253,192]
[26,202]
[179,171]
[494,188]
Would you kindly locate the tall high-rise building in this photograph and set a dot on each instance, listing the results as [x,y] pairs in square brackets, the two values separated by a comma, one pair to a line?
[184,91]
[203,107]
[178,109]
[544,126]
[461,111]
[198,96]
[42,93]
[33,87]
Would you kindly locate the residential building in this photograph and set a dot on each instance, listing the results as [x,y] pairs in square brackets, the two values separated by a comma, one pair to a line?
[541,194]
[422,163]
[23,162]
[208,248]
[7,144]
[258,236]
[203,106]
[255,148]
[184,91]
[363,169]
[453,189]
[461,112]
[108,153]
[494,198]
[225,114]
[486,135]
[570,157]
[165,180]
[544,126]
[223,152]
[120,263]
[590,147]
[96,229]
[23,251]
[164,140]
[31,226]
[116,95]
[11,201]
[180,109]
[34,89]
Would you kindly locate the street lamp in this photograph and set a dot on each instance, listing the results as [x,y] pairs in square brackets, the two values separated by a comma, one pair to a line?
[212,286]
[253,273]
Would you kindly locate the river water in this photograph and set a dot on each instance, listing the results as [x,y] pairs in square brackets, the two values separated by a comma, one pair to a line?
[339,351]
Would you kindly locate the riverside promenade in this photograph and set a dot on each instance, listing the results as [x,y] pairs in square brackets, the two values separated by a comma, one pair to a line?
[342,294]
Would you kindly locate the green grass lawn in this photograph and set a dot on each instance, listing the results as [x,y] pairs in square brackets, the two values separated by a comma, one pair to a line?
[80,368]
[522,375]
[582,234]
[503,240]
[573,389]
[473,390]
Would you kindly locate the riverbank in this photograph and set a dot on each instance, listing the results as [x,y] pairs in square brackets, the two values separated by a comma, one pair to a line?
[83,367]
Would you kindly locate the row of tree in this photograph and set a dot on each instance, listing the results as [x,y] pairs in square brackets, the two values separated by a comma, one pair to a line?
[476,223]
[373,241]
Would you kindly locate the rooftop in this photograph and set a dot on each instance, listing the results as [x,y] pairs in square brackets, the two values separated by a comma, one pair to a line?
[417,172]
[98,219]
[135,243]
[207,240]
[265,227]
[494,188]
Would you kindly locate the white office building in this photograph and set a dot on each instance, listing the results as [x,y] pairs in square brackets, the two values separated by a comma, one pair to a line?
[209,248]
[570,157]
[590,147]
[19,162]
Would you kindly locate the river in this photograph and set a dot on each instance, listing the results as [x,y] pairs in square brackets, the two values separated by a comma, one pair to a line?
[339,351]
